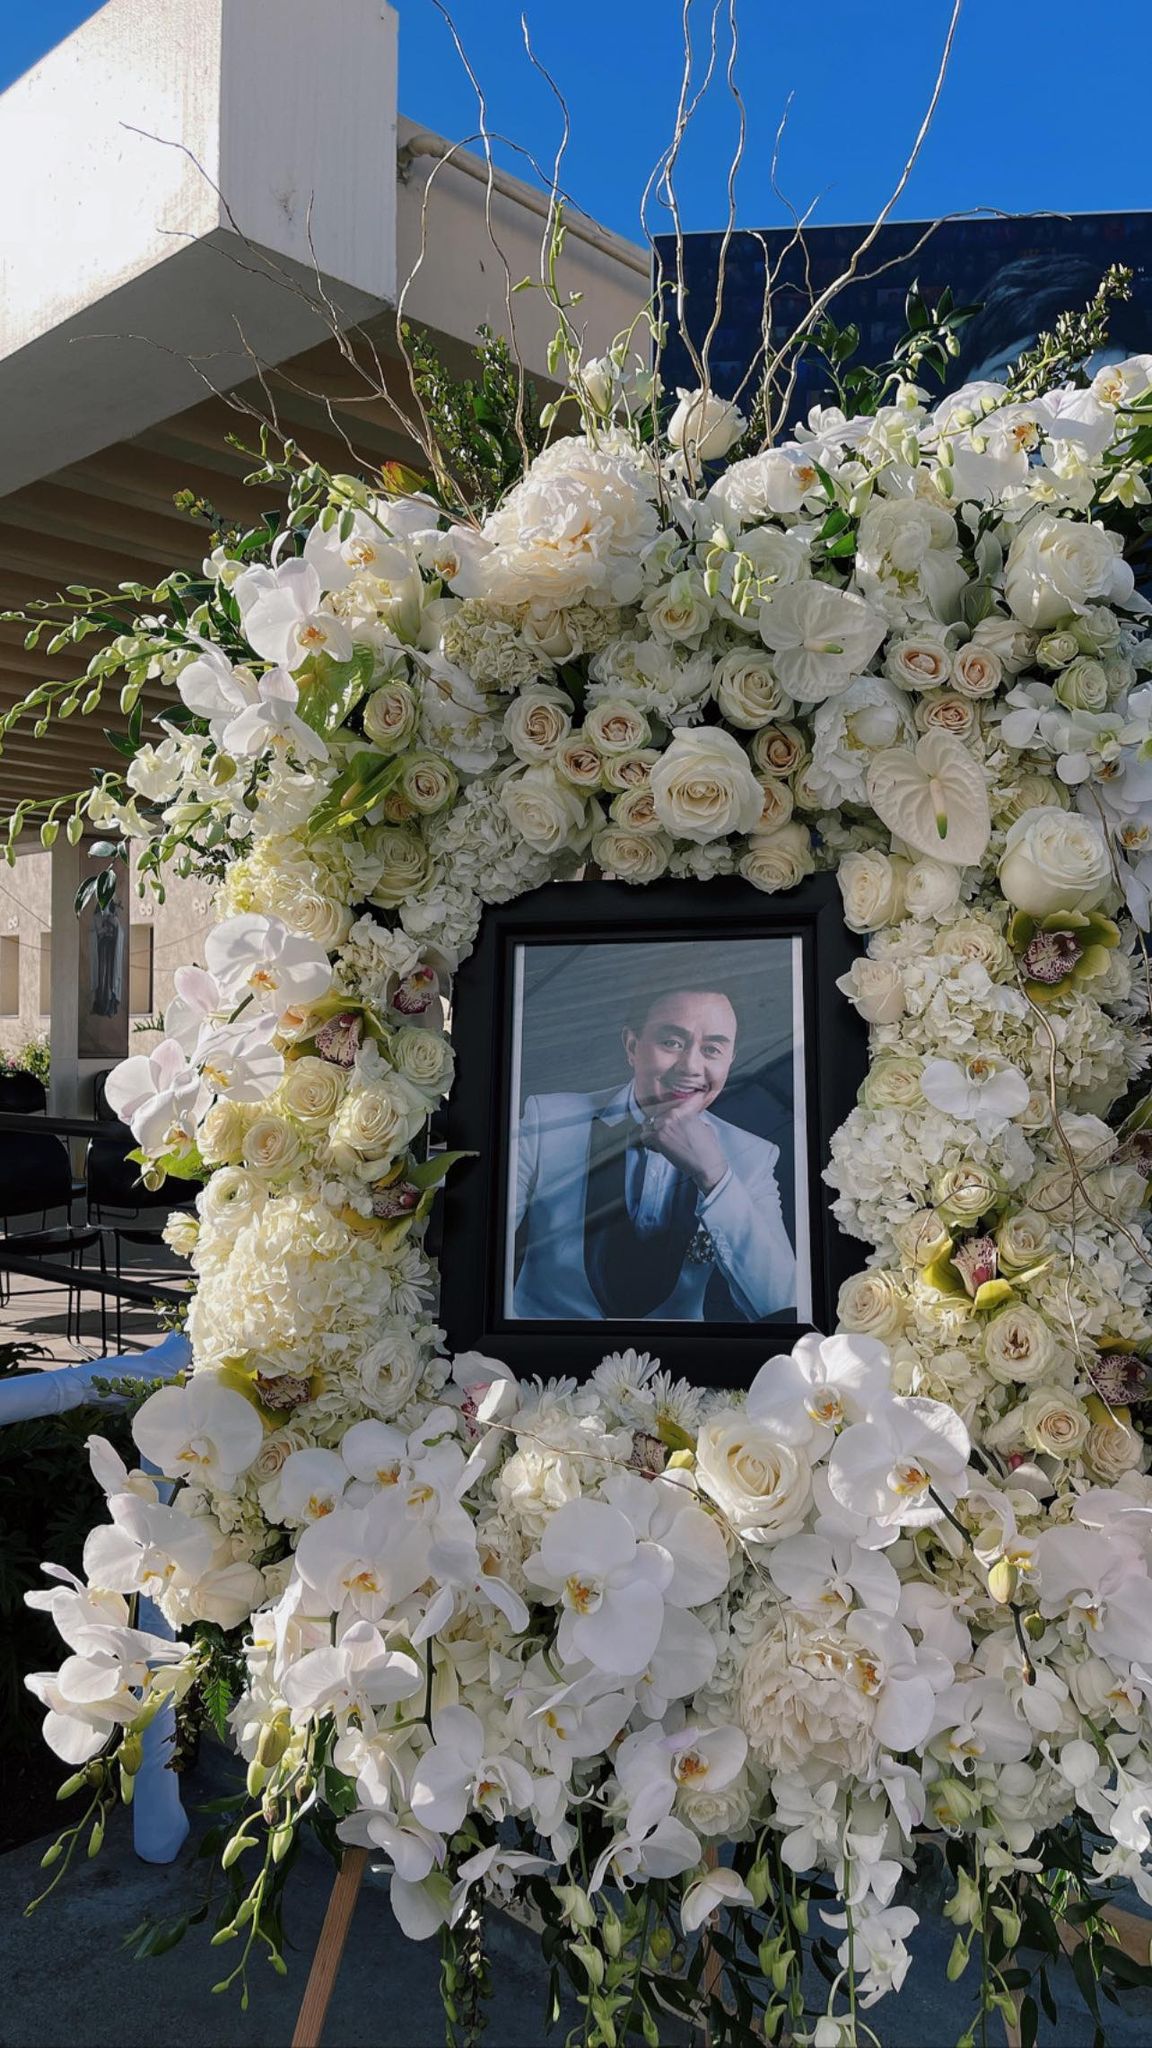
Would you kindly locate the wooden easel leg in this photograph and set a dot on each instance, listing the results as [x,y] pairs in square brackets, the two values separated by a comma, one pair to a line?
[329,1950]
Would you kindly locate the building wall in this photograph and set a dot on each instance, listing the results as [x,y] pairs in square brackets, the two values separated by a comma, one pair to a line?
[179,927]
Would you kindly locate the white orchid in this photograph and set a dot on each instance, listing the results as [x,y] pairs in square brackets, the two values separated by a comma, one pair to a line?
[202,1431]
[148,1548]
[159,1095]
[984,1091]
[92,1694]
[282,616]
[610,1587]
[270,722]
[351,1677]
[826,1577]
[1100,1587]
[461,1772]
[709,1894]
[808,1393]
[652,1767]
[902,1469]
[256,958]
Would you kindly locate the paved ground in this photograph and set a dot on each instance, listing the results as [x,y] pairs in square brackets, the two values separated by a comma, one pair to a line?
[67,1980]
[39,1312]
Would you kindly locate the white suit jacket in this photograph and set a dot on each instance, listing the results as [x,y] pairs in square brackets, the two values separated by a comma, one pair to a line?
[742,1216]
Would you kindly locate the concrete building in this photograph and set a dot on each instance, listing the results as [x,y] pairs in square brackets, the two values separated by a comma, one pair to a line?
[219,185]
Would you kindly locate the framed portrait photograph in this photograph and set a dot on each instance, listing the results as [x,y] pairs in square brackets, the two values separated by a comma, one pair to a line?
[648,1082]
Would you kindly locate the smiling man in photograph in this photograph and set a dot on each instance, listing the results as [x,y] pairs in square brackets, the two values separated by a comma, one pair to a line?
[630,1202]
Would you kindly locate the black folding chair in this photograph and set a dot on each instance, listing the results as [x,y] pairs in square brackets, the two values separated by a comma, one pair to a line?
[113,1183]
[36,1173]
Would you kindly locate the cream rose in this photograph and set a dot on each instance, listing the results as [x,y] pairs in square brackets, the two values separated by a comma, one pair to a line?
[311,1091]
[631,856]
[976,671]
[428,783]
[221,1135]
[778,749]
[423,1057]
[893,1082]
[629,771]
[389,716]
[703,786]
[872,886]
[544,810]
[1056,566]
[762,1487]
[536,722]
[918,664]
[616,728]
[579,762]
[634,811]
[745,688]
[946,711]
[777,860]
[876,990]
[1111,1449]
[405,865]
[374,1125]
[777,803]
[1055,860]
[271,1148]
[1022,1241]
[965,1193]
[1052,1423]
[873,1304]
[1019,1346]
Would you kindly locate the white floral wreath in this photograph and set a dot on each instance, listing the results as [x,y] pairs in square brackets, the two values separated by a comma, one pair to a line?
[574,1638]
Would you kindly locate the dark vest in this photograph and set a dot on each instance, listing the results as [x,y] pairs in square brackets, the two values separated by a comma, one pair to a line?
[630,1274]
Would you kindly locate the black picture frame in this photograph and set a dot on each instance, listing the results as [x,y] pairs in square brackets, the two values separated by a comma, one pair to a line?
[477,1119]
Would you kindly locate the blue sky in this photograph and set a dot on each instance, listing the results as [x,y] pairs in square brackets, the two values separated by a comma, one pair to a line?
[1025,124]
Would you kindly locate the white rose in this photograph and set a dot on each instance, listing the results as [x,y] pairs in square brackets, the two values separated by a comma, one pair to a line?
[919,664]
[1019,1345]
[703,786]
[374,1125]
[1056,566]
[778,749]
[389,716]
[703,426]
[544,810]
[634,811]
[761,1486]
[777,860]
[404,865]
[536,722]
[777,803]
[1055,860]
[579,762]
[930,887]
[876,990]
[872,885]
[631,856]
[745,688]
[1022,1240]
[617,728]
[873,1304]
[311,1091]
[427,783]
[221,1135]
[424,1058]
[629,771]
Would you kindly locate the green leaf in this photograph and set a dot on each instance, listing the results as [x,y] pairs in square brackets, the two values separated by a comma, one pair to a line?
[330,690]
[364,783]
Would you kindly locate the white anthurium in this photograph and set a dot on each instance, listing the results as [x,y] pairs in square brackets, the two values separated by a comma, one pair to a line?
[827,1577]
[683,1660]
[202,1431]
[902,1469]
[1101,1590]
[282,616]
[270,723]
[822,638]
[610,1587]
[148,1548]
[257,957]
[983,1090]
[664,1513]
[901,1679]
[159,1095]
[934,797]
[461,1773]
[710,1894]
[351,1677]
[310,1484]
[807,1394]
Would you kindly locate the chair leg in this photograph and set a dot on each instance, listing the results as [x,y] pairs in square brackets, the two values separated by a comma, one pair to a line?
[119,1296]
[103,1300]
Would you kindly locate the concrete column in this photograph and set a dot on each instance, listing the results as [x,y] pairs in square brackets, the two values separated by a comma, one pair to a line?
[64,1093]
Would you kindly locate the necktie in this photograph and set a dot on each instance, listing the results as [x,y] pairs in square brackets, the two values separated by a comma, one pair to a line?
[630,1275]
